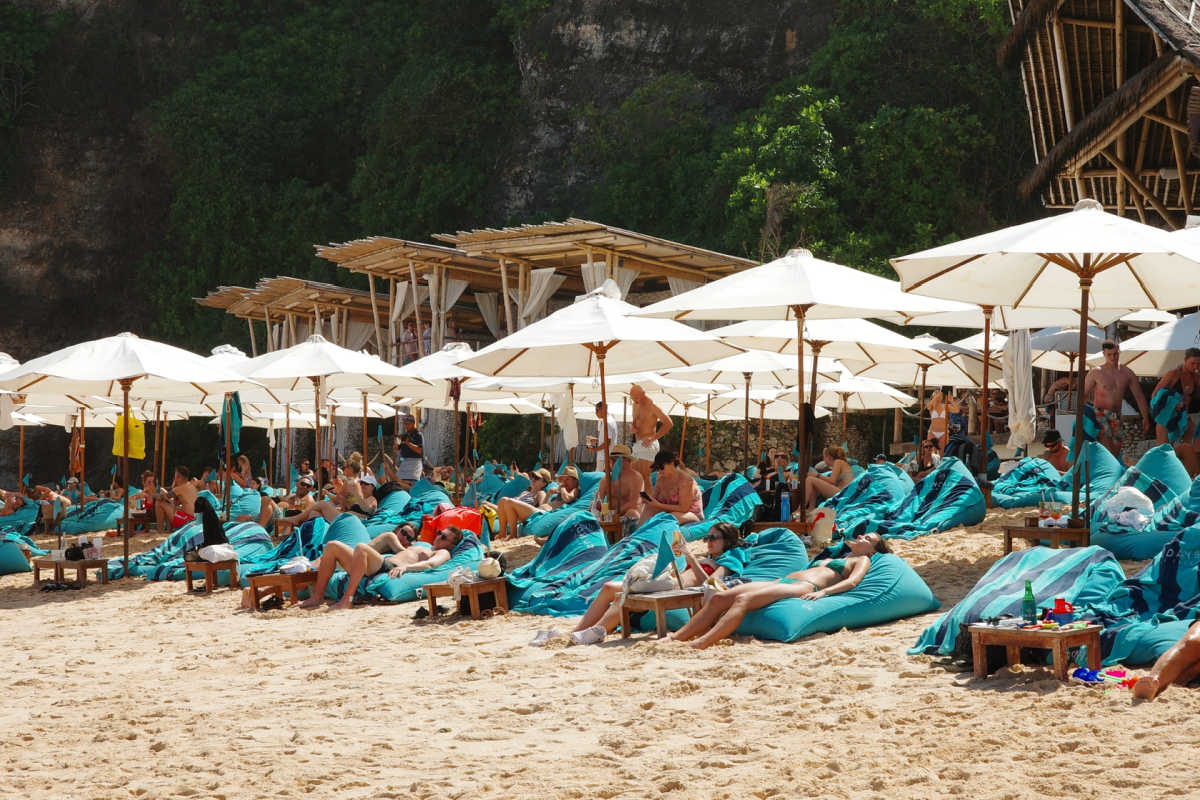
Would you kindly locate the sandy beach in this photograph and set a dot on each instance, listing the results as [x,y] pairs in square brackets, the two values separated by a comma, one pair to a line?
[138,690]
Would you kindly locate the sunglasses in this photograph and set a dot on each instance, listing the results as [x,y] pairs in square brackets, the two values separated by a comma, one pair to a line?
[714,537]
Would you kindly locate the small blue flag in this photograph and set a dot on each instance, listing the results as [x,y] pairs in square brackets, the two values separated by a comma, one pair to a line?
[666,556]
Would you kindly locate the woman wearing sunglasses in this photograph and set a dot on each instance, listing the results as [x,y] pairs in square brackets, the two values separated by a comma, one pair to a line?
[394,553]
[604,615]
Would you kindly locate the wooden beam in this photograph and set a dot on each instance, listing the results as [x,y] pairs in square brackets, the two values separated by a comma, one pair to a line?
[1129,175]
[253,341]
[412,272]
[508,314]
[1179,144]
[375,317]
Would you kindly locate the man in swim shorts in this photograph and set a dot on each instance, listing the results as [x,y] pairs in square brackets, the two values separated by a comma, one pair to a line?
[649,425]
[1105,389]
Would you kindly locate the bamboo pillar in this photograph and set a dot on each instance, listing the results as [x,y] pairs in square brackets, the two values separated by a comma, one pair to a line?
[508,314]
[412,275]
[375,318]
[253,340]
[125,384]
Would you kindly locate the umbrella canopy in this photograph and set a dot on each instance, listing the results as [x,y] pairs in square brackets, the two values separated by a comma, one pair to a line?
[853,340]
[1151,315]
[154,370]
[765,370]
[512,405]
[597,329]
[860,394]
[1085,258]
[442,365]
[318,359]
[1160,349]
[1007,318]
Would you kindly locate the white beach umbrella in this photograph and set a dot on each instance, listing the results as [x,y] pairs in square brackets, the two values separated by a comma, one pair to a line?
[1100,259]
[580,339]
[797,287]
[129,365]
[1149,315]
[1160,349]
[851,340]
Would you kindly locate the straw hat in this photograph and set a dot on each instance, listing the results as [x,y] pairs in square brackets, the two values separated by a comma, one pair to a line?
[620,450]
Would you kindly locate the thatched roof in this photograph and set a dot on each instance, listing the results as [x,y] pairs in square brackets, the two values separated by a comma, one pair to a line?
[1106,87]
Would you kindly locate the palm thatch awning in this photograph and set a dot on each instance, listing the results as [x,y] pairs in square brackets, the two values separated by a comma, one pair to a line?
[1106,86]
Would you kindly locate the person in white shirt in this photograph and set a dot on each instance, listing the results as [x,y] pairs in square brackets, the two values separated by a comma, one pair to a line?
[596,443]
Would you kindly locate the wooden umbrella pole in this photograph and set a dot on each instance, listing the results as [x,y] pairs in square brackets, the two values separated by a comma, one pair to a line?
[125,384]
[762,410]
[983,405]
[683,436]
[228,455]
[287,447]
[166,430]
[921,409]
[457,451]
[802,422]
[21,457]
[82,455]
[600,353]
[708,434]
[364,436]
[316,382]
[1085,285]
[571,400]
[541,433]
[746,422]
[843,416]
[155,467]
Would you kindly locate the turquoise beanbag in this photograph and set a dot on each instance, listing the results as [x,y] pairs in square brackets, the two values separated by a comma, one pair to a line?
[891,590]
[12,560]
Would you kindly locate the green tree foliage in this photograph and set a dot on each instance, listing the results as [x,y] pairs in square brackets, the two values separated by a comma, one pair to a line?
[326,123]
[774,168]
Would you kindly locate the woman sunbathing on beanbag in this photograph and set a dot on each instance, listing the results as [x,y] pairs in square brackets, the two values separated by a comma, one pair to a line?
[724,611]
[604,614]
[368,559]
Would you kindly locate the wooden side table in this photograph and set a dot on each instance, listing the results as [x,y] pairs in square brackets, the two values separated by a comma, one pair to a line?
[660,603]
[612,531]
[1078,537]
[81,567]
[498,587]
[210,570]
[279,584]
[798,527]
[1013,639]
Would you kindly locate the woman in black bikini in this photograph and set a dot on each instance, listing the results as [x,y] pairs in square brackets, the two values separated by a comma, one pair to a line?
[724,611]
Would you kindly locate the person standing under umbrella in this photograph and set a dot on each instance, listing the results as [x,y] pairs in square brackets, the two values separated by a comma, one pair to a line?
[1175,403]
[1106,386]
[410,449]
[649,425]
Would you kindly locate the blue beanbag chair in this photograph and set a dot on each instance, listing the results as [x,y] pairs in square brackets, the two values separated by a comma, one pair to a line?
[12,559]
[1160,476]
[890,590]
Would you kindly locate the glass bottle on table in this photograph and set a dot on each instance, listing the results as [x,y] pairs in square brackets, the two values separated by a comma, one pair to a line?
[1029,606]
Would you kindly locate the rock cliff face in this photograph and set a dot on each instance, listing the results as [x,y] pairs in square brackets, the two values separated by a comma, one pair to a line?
[598,51]
[92,195]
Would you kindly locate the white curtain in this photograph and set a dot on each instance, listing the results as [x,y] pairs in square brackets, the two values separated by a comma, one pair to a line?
[593,274]
[543,283]
[357,334]
[489,309]
[681,285]
[566,421]
[1018,376]
[625,279]
[406,308]
[399,300]
[452,289]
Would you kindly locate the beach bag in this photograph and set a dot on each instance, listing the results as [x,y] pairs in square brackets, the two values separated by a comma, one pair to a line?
[641,580]
[218,552]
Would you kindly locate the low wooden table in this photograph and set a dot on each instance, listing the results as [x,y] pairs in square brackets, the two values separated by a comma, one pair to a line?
[498,587]
[612,531]
[279,584]
[210,570]
[81,567]
[1079,537]
[1013,639]
[660,603]
[798,527]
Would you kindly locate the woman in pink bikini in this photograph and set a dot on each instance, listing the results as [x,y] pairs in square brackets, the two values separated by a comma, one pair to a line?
[675,492]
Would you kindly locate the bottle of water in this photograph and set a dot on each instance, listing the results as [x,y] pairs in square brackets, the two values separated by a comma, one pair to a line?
[785,507]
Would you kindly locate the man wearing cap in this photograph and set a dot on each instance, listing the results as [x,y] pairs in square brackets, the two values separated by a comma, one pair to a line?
[626,499]
[1056,452]
[410,451]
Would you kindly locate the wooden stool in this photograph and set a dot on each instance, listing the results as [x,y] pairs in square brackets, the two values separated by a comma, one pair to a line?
[497,586]
[1079,537]
[210,570]
[1013,639]
[660,603]
[279,584]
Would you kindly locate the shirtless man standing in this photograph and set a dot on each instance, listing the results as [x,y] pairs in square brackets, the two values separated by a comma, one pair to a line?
[178,506]
[1179,406]
[649,425]
[1105,388]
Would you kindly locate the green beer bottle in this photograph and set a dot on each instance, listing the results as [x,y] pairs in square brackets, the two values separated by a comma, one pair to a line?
[1029,606]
